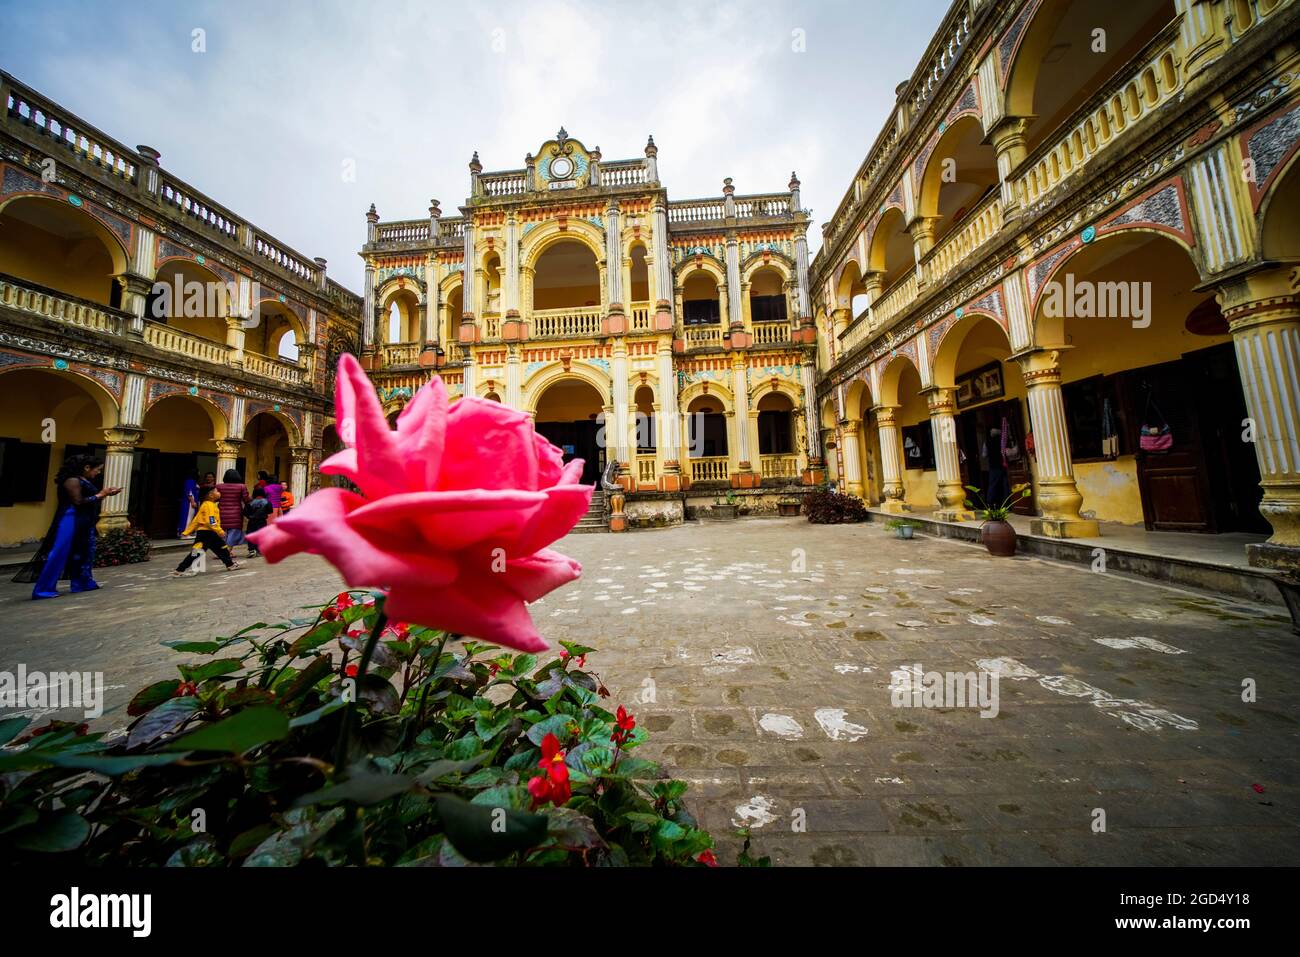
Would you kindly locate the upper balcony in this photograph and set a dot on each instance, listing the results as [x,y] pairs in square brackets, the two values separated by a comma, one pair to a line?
[47,129]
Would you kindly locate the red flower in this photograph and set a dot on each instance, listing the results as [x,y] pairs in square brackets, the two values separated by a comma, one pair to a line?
[329,614]
[552,786]
[493,667]
[582,662]
[186,689]
[351,670]
[708,858]
[626,722]
[344,600]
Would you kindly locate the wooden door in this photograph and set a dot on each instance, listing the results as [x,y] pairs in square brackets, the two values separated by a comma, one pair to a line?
[1174,485]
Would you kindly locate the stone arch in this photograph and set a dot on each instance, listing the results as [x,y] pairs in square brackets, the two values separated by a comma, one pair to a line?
[44,220]
[770,260]
[943,367]
[537,241]
[857,400]
[541,380]
[220,422]
[785,387]
[704,264]
[1279,226]
[975,174]
[892,374]
[109,408]
[290,427]
[711,388]
[889,250]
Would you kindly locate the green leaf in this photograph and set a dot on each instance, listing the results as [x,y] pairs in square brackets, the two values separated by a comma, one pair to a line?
[237,734]
[320,635]
[109,765]
[556,724]
[10,728]
[362,786]
[164,719]
[311,717]
[482,834]
[213,669]
[306,679]
[572,828]
[54,833]
[194,647]
[513,797]
[440,769]
[488,726]
[152,696]
[575,649]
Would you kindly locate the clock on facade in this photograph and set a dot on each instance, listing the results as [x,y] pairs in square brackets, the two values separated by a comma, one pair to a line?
[561,167]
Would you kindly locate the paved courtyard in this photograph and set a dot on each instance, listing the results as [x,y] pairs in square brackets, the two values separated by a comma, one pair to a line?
[760,654]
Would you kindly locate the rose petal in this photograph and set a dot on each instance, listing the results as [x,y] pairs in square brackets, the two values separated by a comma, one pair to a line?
[381,469]
[488,445]
[554,518]
[537,575]
[421,430]
[453,520]
[480,608]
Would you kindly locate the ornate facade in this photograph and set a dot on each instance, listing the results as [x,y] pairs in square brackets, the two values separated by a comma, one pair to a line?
[671,337]
[97,353]
[1081,224]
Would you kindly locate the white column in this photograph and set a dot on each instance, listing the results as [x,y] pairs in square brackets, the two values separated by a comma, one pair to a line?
[1057,495]
[368,319]
[741,379]
[118,458]
[514,380]
[890,463]
[943,427]
[619,373]
[852,458]
[613,255]
[808,375]
[298,478]
[469,284]
[734,317]
[511,265]
[663,268]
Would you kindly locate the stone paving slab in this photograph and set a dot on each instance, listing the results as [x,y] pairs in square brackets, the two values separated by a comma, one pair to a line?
[759,655]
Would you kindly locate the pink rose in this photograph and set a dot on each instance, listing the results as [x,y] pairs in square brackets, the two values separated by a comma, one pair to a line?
[459,505]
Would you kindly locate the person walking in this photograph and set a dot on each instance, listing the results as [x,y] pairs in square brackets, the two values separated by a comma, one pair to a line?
[234,496]
[68,550]
[273,490]
[258,513]
[208,534]
[998,488]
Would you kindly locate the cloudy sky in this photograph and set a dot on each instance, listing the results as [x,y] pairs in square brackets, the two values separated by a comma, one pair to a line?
[287,97]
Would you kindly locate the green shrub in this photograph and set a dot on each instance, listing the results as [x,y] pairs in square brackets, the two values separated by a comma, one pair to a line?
[121,546]
[829,507]
[269,751]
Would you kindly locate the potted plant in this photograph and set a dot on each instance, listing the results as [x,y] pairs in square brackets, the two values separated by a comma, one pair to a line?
[788,506]
[903,527]
[727,511]
[997,534]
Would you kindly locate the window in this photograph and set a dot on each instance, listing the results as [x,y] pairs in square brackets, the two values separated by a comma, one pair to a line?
[774,432]
[1085,403]
[918,446]
[24,470]
[700,312]
[767,308]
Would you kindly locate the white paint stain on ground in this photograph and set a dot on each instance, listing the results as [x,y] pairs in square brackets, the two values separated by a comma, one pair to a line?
[910,623]
[836,726]
[1138,714]
[742,655]
[781,725]
[982,620]
[917,571]
[1137,641]
[1053,620]
[1006,668]
[847,669]
[756,813]
[890,781]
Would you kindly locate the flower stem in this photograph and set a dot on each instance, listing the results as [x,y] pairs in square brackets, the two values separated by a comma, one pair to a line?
[345,728]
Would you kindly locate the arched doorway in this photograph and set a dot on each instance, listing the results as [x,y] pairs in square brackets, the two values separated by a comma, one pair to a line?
[706,438]
[177,445]
[566,276]
[45,416]
[191,298]
[266,449]
[570,413]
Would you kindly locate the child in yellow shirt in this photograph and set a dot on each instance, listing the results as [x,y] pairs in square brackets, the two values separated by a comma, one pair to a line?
[208,533]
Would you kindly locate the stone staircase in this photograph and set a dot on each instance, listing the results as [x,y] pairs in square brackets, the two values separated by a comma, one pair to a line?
[595,520]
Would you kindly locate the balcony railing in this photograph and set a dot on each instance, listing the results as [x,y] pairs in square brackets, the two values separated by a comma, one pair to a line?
[513,182]
[645,470]
[61,307]
[622,173]
[771,333]
[400,354]
[642,317]
[712,468]
[405,231]
[174,340]
[278,369]
[83,141]
[492,325]
[566,323]
[779,466]
[1153,79]
[696,211]
[964,239]
[896,298]
[701,337]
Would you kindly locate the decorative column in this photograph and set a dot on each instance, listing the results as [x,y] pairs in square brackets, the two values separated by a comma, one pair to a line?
[669,421]
[369,316]
[651,160]
[135,299]
[663,267]
[849,440]
[922,231]
[514,396]
[1057,494]
[235,341]
[815,472]
[745,477]
[891,471]
[1263,312]
[469,331]
[615,319]
[1008,138]
[121,443]
[619,445]
[943,425]
[227,455]
[300,456]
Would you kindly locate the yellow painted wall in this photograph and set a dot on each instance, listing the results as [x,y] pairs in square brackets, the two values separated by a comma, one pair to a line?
[177,423]
[1110,489]
[264,440]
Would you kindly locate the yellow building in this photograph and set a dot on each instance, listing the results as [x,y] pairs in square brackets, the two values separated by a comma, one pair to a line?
[144,322]
[1081,226]
[668,341]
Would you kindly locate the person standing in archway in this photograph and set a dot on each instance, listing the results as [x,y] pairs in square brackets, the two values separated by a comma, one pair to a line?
[189,501]
[68,550]
[234,496]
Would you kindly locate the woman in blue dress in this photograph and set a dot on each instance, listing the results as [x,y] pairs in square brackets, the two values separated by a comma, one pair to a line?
[189,502]
[68,550]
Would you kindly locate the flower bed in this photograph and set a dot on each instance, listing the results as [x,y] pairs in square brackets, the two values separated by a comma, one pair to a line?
[121,546]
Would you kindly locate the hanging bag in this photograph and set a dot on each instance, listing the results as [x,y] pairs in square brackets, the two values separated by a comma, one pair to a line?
[1152,437]
[1010,448]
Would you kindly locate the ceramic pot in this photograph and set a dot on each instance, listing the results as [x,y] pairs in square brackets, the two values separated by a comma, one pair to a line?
[904,531]
[999,538]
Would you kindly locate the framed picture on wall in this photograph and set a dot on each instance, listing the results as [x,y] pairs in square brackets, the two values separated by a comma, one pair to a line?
[980,385]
